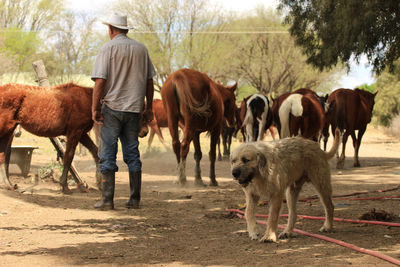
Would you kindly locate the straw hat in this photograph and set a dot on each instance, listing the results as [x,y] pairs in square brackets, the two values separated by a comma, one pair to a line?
[118,21]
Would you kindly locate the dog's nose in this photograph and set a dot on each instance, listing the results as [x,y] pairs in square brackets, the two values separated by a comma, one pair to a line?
[236,173]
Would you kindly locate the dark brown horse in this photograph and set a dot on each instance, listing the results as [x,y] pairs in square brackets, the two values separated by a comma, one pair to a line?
[299,113]
[48,112]
[199,104]
[350,110]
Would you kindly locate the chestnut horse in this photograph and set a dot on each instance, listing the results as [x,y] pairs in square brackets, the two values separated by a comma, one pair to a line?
[301,112]
[159,121]
[199,104]
[350,110]
[48,112]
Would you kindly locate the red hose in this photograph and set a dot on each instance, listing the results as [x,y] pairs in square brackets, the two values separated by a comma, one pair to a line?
[342,243]
[355,194]
[323,218]
[357,198]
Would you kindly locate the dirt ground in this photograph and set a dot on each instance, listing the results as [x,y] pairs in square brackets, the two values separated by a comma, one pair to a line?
[190,226]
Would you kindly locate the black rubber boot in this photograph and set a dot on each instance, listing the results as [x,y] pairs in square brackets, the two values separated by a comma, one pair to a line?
[135,184]
[107,201]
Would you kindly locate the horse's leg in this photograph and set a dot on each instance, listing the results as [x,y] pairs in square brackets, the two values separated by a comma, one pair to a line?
[340,162]
[161,137]
[184,150]
[197,157]
[212,156]
[219,148]
[357,147]
[5,143]
[72,142]
[228,144]
[91,146]
[151,136]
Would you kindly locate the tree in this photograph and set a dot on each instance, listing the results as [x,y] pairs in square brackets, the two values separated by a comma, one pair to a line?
[173,31]
[269,59]
[331,32]
[21,47]
[30,15]
[74,45]
[387,101]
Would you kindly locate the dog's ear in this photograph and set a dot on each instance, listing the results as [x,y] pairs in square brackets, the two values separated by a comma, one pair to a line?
[262,162]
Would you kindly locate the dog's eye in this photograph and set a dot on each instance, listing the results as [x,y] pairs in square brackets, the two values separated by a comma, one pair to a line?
[244,160]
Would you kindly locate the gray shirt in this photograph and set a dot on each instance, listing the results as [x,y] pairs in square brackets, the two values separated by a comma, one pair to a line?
[126,66]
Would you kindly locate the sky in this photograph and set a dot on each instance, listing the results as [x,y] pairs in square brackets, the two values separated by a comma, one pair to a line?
[359,73]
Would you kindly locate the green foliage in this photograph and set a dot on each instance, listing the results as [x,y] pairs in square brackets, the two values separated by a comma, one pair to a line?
[21,46]
[244,91]
[387,101]
[334,31]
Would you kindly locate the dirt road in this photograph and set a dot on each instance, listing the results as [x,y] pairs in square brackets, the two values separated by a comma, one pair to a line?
[189,226]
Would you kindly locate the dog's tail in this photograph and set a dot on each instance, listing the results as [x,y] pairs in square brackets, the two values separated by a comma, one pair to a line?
[335,146]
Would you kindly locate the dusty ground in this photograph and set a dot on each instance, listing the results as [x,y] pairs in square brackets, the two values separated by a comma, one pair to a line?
[189,226]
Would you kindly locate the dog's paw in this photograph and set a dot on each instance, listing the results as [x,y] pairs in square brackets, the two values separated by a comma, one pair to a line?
[325,229]
[285,235]
[253,235]
[269,238]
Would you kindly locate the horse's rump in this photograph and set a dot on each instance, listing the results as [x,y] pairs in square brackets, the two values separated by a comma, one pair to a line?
[192,93]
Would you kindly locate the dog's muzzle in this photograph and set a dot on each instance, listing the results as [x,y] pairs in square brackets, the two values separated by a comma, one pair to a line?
[238,175]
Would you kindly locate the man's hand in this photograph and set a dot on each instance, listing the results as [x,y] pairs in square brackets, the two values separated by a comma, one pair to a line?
[98,117]
[147,115]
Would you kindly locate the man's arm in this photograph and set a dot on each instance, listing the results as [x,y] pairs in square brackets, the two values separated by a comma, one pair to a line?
[98,91]
[148,112]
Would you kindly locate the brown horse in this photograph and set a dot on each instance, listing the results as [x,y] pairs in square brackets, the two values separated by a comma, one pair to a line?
[300,112]
[199,104]
[350,110]
[48,112]
[159,121]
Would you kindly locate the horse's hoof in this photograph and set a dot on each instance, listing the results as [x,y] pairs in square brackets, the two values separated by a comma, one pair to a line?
[180,182]
[357,165]
[199,183]
[66,190]
[213,183]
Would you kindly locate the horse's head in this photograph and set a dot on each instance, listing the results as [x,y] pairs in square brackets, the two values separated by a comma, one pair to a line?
[368,98]
[230,108]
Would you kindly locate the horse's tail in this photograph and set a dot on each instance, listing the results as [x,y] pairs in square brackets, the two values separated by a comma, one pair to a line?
[291,105]
[186,98]
[335,145]
[248,123]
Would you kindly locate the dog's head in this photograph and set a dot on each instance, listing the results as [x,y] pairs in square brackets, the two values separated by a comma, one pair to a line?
[247,162]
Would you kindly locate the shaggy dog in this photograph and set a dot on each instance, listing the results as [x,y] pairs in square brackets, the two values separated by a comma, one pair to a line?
[269,169]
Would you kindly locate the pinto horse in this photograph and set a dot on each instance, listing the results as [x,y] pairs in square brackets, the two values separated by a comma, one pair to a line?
[257,117]
[350,110]
[199,104]
[47,112]
[301,112]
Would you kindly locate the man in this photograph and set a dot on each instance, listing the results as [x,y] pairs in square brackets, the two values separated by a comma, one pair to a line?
[123,75]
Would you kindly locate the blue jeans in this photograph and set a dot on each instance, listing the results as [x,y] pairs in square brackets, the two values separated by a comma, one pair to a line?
[125,126]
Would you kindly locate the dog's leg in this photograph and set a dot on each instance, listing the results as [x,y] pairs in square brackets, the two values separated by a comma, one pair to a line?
[251,201]
[322,184]
[292,194]
[272,224]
